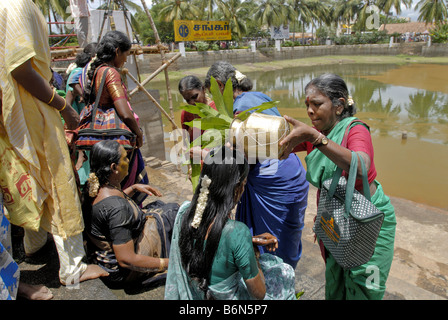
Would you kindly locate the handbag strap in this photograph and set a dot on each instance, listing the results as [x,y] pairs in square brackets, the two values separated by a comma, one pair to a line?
[350,187]
[98,96]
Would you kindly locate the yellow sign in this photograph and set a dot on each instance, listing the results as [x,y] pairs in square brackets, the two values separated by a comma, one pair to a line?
[192,30]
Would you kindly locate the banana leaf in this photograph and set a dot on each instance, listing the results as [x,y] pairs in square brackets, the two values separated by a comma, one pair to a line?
[228,98]
[200,109]
[210,139]
[195,173]
[209,136]
[209,123]
[223,101]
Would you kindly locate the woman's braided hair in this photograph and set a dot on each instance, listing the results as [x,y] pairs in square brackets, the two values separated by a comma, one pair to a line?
[106,51]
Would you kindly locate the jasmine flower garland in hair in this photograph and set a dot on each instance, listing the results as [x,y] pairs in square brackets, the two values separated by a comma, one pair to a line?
[350,101]
[202,201]
[94,185]
[239,76]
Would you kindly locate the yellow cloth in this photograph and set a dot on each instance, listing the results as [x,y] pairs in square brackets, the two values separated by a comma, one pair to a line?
[33,128]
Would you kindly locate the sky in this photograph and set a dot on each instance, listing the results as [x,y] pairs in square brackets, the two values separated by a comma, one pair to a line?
[410,13]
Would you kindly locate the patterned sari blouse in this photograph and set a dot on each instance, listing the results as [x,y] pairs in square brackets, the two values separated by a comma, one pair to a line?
[114,88]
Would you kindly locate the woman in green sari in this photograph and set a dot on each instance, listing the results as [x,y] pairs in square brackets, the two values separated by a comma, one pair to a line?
[213,257]
[331,111]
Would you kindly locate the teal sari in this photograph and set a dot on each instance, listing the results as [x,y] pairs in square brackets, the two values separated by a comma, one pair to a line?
[368,281]
[279,276]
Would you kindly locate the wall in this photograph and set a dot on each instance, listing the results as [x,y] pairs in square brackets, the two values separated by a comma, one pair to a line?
[150,119]
[241,56]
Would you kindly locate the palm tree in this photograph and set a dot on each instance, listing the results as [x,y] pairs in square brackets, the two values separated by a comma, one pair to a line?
[209,4]
[58,7]
[319,12]
[346,11]
[179,10]
[270,13]
[432,10]
[53,8]
[386,5]
[236,12]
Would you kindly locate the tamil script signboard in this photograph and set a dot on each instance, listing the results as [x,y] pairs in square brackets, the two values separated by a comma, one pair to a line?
[192,30]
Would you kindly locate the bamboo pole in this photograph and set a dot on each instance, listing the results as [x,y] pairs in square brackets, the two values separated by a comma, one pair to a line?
[155,73]
[126,71]
[162,53]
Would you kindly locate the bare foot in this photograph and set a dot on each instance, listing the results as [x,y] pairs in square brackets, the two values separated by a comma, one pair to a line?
[93,271]
[34,292]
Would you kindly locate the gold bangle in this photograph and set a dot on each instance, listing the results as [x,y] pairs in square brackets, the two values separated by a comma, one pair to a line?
[314,143]
[52,97]
[162,265]
[65,104]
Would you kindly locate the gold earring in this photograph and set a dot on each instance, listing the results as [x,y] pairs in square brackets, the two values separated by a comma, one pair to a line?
[338,113]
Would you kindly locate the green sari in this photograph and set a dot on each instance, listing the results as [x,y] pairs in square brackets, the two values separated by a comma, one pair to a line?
[368,281]
[279,276]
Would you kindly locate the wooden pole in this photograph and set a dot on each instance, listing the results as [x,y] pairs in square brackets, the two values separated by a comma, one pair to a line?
[162,53]
[126,71]
[155,73]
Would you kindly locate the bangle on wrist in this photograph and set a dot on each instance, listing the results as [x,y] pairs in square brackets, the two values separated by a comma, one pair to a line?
[65,104]
[315,141]
[52,97]
[162,265]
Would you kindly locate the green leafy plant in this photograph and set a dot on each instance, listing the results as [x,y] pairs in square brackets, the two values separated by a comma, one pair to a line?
[439,34]
[202,45]
[216,123]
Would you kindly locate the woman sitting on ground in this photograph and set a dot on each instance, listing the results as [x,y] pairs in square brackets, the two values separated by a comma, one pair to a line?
[123,235]
[212,256]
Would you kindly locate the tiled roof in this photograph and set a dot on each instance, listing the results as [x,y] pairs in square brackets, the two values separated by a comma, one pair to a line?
[417,27]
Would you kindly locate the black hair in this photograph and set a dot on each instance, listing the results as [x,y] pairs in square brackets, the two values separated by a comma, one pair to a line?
[190,83]
[223,71]
[227,170]
[106,52]
[334,87]
[86,55]
[102,155]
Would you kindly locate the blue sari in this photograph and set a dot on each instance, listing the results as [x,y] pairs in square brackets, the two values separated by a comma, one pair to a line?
[274,200]
[276,193]
[250,99]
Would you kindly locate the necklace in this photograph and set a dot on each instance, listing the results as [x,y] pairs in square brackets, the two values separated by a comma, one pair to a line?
[108,184]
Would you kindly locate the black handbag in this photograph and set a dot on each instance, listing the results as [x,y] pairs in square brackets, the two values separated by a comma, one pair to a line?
[347,222]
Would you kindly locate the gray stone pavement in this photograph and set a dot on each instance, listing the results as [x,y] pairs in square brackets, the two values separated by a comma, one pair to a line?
[419,270]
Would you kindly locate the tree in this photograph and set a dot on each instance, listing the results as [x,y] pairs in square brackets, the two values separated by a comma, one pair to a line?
[164,29]
[58,7]
[236,12]
[432,10]
[270,13]
[54,8]
[387,5]
[346,11]
[179,10]
[209,5]
[319,11]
